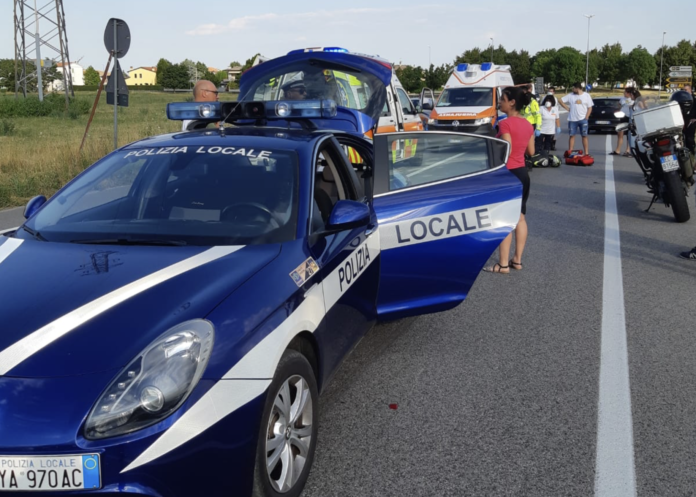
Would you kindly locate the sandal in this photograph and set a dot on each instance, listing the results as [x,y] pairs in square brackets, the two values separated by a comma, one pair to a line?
[614,153]
[517,265]
[496,268]
[627,155]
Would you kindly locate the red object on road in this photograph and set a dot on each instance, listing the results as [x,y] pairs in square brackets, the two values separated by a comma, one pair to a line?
[394,406]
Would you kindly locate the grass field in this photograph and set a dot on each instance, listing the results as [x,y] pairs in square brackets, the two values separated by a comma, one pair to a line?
[41,154]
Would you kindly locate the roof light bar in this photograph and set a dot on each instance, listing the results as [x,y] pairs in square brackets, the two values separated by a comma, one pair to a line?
[486,66]
[462,67]
[319,49]
[298,109]
[208,111]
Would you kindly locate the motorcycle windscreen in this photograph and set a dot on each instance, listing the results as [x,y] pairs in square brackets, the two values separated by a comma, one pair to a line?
[357,84]
[444,202]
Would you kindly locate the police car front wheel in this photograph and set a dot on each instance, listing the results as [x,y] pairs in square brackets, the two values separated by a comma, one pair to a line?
[288,433]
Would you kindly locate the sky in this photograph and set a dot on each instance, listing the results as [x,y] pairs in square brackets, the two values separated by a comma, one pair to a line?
[411,32]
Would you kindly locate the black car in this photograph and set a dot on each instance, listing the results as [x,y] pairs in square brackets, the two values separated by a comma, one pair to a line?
[602,117]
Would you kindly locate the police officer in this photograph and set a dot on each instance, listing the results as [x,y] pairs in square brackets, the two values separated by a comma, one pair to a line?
[294,90]
[203,91]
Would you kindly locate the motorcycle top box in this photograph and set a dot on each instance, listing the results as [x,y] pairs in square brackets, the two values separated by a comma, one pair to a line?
[662,119]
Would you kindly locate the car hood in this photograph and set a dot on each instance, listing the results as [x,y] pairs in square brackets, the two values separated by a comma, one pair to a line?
[69,309]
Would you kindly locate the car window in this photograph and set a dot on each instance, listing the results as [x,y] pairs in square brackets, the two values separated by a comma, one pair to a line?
[405,102]
[415,161]
[195,195]
[466,97]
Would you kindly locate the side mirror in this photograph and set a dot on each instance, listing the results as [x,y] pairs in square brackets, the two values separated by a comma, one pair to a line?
[427,106]
[419,109]
[619,114]
[34,205]
[348,214]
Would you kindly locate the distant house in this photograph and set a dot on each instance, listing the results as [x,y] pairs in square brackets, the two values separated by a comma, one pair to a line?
[76,71]
[213,70]
[142,76]
[233,73]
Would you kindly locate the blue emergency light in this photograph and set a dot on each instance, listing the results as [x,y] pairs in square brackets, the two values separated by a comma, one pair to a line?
[179,111]
[325,49]
[298,109]
[486,66]
[462,67]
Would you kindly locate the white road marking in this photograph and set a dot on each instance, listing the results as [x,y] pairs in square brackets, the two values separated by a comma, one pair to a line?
[615,474]
[439,163]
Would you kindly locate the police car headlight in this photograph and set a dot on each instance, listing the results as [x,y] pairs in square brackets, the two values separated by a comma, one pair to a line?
[155,383]
[206,111]
[484,120]
[431,121]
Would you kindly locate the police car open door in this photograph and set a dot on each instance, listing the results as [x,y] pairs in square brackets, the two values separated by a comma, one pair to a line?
[444,202]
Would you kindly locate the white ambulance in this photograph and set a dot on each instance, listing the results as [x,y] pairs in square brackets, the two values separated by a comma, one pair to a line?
[469,101]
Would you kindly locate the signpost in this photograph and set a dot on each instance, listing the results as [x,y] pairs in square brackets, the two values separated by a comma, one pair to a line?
[117,40]
[539,86]
[679,77]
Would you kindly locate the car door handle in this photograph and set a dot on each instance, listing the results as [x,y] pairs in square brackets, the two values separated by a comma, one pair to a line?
[370,230]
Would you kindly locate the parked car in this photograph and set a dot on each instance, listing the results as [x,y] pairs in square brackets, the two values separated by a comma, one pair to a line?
[602,117]
[172,314]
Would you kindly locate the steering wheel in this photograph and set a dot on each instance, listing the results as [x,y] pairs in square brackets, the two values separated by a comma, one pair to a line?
[255,206]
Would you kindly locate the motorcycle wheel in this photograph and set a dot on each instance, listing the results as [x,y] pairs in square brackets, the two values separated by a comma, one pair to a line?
[677,197]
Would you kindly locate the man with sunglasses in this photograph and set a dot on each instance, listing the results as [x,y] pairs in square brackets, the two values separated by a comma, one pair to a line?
[203,91]
[294,90]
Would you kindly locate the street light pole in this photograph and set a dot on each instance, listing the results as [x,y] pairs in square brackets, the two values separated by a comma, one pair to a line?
[662,51]
[587,66]
[429,63]
[492,43]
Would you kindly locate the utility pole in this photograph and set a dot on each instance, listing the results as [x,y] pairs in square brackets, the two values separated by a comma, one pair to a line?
[52,40]
[587,66]
[492,43]
[429,63]
[662,51]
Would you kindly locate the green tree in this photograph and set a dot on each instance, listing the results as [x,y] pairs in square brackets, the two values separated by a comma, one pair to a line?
[471,56]
[542,66]
[411,78]
[234,63]
[436,77]
[595,65]
[520,66]
[568,66]
[640,66]
[249,62]
[610,65]
[7,73]
[162,65]
[92,77]
[176,77]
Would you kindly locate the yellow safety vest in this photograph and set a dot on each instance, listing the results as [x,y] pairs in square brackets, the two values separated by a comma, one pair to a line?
[532,114]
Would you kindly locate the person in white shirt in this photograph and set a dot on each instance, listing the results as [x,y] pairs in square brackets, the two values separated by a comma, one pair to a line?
[579,111]
[203,91]
[626,103]
[550,123]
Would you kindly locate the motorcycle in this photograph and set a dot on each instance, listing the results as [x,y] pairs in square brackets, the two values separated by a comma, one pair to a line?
[664,161]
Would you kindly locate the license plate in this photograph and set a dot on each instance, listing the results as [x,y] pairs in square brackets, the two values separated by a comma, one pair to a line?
[601,122]
[669,163]
[49,473]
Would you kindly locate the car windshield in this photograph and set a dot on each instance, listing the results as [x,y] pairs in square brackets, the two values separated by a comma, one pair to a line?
[306,80]
[195,195]
[606,102]
[466,97]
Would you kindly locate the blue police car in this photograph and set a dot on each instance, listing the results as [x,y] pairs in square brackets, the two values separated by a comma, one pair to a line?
[170,316]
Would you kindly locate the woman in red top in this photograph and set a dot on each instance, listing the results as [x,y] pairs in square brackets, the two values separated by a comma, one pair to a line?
[517,131]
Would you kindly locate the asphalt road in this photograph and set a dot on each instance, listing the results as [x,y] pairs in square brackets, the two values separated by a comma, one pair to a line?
[500,395]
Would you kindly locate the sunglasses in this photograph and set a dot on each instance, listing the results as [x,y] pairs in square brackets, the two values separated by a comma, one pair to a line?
[213,91]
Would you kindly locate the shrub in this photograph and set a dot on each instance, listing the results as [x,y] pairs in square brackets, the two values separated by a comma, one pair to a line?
[7,127]
[53,105]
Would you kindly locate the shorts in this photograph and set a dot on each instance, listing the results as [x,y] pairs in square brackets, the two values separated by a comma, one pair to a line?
[523,175]
[575,127]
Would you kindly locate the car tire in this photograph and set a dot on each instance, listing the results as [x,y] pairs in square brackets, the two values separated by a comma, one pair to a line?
[291,453]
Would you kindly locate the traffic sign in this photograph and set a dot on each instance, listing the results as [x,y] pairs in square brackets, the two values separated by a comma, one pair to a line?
[680,74]
[680,68]
[121,90]
[679,80]
[677,85]
[539,86]
[117,32]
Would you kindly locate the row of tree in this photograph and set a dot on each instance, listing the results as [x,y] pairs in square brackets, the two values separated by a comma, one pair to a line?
[7,75]
[564,66]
